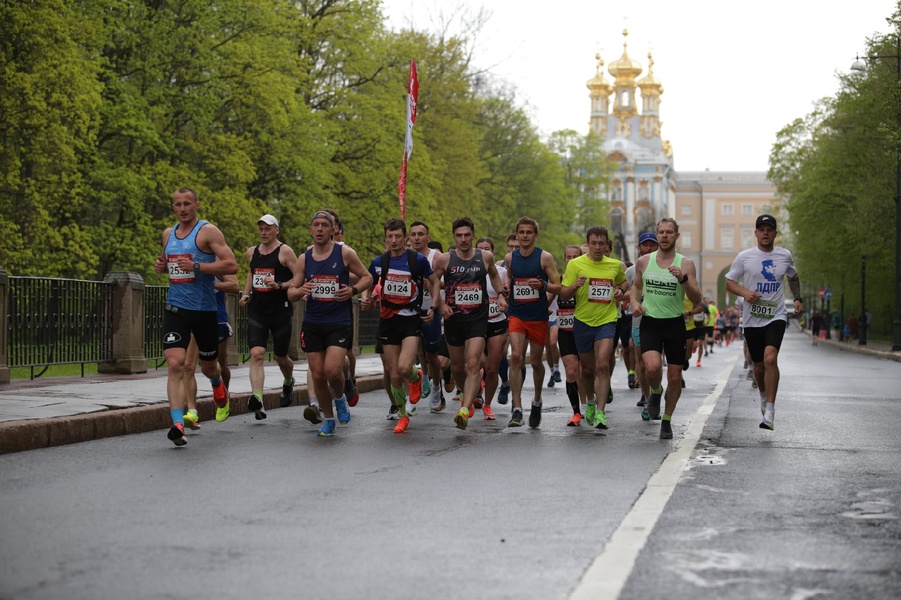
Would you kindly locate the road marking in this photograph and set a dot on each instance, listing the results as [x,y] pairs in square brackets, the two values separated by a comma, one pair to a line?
[608,573]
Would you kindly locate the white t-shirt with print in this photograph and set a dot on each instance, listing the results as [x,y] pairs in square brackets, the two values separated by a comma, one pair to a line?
[764,273]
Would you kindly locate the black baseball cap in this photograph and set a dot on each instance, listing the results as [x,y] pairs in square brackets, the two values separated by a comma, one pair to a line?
[765,220]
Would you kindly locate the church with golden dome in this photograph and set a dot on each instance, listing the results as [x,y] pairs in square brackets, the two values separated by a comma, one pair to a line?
[715,210]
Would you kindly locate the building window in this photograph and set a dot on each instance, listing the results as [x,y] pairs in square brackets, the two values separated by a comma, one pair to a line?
[747,238]
[726,211]
[686,240]
[726,239]
[747,210]
[686,210]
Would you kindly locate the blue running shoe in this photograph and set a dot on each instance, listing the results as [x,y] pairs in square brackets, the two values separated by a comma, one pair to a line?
[426,386]
[341,409]
[503,394]
[328,428]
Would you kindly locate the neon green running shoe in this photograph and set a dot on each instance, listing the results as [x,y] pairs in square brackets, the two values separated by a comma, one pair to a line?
[190,420]
[461,418]
[222,413]
[591,412]
[600,420]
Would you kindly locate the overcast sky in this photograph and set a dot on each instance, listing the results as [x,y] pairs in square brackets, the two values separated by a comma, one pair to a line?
[733,73]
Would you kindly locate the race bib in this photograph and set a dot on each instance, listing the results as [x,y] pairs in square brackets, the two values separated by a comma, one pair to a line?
[494,309]
[259,277]
[600,290]
[699,318]
[566,318]
[398,288]
[764,309]
[522,292]
[176,275]
[326,287]
[468,295]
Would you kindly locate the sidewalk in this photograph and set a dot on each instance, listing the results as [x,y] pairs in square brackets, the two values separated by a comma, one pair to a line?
[64,410]
[877,348]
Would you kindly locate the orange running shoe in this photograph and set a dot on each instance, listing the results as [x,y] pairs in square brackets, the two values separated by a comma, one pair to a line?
[489,414]
[416,388]
[575,421]
[477,402]
[220,395]
[402,425]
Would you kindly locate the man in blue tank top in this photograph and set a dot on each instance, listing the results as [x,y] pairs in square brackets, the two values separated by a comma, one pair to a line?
[322,276]
[194,253]
[531,276]
[266,291]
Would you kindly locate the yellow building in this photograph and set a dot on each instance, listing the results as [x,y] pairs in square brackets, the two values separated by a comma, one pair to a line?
[716,211]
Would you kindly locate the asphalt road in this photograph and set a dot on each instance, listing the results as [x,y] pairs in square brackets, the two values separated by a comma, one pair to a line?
[268,510]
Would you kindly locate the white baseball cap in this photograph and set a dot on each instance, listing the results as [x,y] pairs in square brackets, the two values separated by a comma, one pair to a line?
[268,220]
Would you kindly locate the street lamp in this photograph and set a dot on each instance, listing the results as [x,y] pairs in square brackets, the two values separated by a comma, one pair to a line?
[859,67]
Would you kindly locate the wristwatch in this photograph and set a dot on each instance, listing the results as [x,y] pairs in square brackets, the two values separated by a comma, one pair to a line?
[197,267]
[354,290]
[279,284]
[684,279]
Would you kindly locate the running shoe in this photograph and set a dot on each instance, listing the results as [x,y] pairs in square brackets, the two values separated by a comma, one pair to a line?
[763,407]
[645,416]
[683,383]
[699,364]
[591,414]
[416,388]
[575,421]
[220,395]
[327,429]
[256,407]
[437,403]
[313,414]
[478,402]
[489,414]
[448,381]
[355,396]
[557,377]
[503,394]
[685,366]
[191,420]
[631,381]
[426,387]
[551,381]
[343,413]
[516,419]
[535,416]
[287,396]
[458,397]
[393,413]
[769,420]
[411,410]
[653,407]
[402,425]
[461,418]
[222,413]
[641,402]
[610,395]
[470,412]
[601,420]
[177,434]
[749,375]
[666,430]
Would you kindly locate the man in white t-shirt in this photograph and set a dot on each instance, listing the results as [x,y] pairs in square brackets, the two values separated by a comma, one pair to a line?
[758,276]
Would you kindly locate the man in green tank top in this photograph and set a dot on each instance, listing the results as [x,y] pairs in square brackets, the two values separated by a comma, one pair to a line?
[664,278]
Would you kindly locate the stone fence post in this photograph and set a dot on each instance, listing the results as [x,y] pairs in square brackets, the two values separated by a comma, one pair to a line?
[128,325]
[4,339]
[231,305]
[294,351]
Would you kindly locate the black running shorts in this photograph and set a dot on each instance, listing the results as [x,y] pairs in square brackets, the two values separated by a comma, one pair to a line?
[758,338]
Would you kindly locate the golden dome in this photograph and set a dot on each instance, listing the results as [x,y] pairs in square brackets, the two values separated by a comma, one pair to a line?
[625,68]
[598,82]
[649,82]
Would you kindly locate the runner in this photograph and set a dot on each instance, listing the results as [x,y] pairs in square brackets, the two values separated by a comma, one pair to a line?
[647,243]
[402,277]
[551,347]
[595,317]
[531,277]
[266,291]
[496,337]
[432,334]
[465,270]
[503,394]
[664,278]
[567,343]
[322,274]
[757,275]
[194,253]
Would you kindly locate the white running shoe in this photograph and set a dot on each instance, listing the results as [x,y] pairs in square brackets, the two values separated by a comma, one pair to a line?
[769,420]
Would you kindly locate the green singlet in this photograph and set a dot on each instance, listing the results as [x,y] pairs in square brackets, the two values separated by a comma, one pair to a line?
[663,294]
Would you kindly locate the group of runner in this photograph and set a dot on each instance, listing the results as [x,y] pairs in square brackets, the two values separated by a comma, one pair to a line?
[456,313]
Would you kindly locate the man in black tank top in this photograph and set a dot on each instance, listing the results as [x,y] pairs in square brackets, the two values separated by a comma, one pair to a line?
[465,310]
[266,290]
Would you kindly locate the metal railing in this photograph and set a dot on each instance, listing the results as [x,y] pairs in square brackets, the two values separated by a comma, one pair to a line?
[58,321]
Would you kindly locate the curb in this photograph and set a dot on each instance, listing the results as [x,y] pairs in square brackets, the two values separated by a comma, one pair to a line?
[856,348]
[33,434]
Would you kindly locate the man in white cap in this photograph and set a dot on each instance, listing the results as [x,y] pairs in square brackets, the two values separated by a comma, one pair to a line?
[266,291]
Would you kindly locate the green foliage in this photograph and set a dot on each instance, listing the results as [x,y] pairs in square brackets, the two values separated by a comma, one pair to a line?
[836,169]
[283,106]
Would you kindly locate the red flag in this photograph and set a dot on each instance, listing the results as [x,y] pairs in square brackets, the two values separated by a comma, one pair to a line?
[412,97]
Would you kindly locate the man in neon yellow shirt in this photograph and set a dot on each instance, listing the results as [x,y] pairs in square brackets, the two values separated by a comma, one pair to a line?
[597,283]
